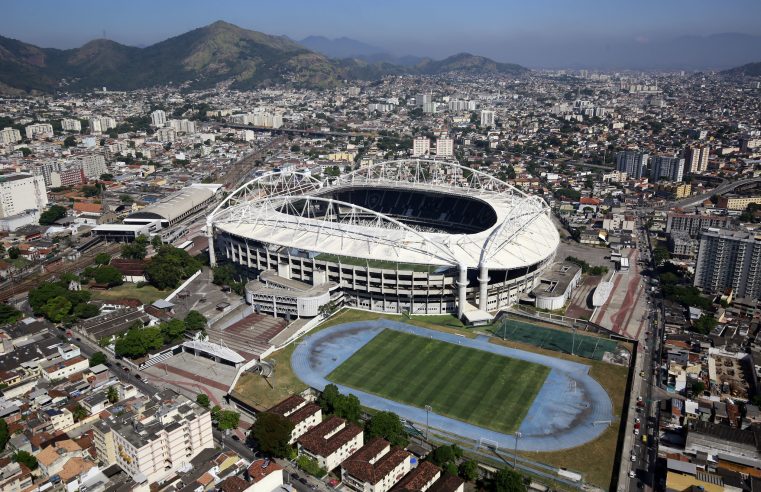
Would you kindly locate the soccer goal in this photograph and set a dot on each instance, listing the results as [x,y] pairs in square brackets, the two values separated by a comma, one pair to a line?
[488,444]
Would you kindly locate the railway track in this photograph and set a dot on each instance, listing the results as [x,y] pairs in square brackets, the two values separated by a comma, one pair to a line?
[54,269]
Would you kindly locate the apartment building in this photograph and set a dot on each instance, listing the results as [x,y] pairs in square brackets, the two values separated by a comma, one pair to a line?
[421,146]
[692,224]
[376,467]
[9,136]
[71,125]
[158,441]
[302,414]
[444,147]
[331,442]
[21,192]
[632,163]
[735,202]
[39,130]
[729,260]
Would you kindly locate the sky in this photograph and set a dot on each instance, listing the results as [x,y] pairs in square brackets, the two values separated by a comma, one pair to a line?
[532,32]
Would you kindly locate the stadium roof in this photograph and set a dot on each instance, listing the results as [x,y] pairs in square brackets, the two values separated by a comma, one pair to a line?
[522,235]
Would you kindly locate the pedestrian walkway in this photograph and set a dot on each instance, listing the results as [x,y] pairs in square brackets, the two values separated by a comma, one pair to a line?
[570,409]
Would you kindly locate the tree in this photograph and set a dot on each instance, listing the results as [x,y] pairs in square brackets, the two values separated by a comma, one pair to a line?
[106,177]
[70,141]
[273,433]
[156,242]
[705,324]
[56,309]
[388,426]
[203,400]
[5,434]
[13,252]
[468,470]
[25,151]
[109,276]
[442,455]
[172,330]
[86,310]
[328,397]
[660,255]
[102,259]
[228,420]
[195,321]
[52,214]
[9,315]
[170,266]
[112,395]
[98,358]
[507,481]
[698,387]
[138,341]
[79,413]
[137,249]
[26,459]
[348,407]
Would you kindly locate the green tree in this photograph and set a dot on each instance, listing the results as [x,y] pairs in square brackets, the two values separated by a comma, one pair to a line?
[468,470]
[156,242]
[86,310]
[705,324]
[70,141]
[13,252]
[52,214]
[348,407]
[112,395]
[137,249]
[108,275]
[195,321]
[9,315]
[328,397]
[698,387]
[98,358]
[388,426]
[102,259]
[138,341]
[660,255]
[5,435]
[228,420]
[170,266]
[272,432]
[507,481]
[56,309]
[25,151]
[172,330]
[106,177]
[79,413]
[26,459]
[203,400]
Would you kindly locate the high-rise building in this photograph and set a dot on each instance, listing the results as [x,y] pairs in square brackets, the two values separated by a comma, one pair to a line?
[164,135]
[632,163]
[182,126]
[9,136]
[71,125]
[696,159]
[487,117]
[670,168]
[421,146]
[93,165]
[39,130]
[100,124]
[158,118]
[422,99]
[729,260]
[444,147]
[22,192]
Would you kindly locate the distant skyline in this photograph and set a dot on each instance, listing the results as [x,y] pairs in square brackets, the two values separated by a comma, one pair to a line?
[536,34]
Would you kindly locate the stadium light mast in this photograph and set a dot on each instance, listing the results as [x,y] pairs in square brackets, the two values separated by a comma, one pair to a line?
[427,411]
[518,435]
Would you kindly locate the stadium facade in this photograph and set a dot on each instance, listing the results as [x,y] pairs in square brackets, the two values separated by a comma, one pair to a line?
[414,235]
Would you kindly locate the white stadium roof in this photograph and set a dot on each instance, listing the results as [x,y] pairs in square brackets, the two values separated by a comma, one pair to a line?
[523,234]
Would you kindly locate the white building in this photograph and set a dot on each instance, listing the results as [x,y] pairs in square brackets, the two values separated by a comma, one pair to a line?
[182,126]
[22,192]
[93,165]
[158,118]
[444,147]
[421,146]
[9,136]
[487,117]
[100,124]
[376,467]
[302,414]
[39,130]
[331,442]
[71,125]
[696,159]
[165,135]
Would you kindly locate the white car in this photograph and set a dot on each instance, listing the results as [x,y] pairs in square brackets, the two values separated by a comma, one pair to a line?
[632,474]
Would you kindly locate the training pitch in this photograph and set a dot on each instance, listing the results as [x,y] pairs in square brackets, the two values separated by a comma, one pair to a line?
[483,388]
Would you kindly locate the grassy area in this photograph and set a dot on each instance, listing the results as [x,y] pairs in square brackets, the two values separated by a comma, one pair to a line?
[146,294]
[382,264]
[485,389]
[440,322]
[263,394]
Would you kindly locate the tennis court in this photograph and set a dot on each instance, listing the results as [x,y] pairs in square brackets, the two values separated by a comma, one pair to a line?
[551,339]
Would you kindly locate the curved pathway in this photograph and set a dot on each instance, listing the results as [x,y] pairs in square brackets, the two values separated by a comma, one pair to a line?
[569,410]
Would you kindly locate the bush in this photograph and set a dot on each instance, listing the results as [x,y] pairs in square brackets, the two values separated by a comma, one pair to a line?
[310,466]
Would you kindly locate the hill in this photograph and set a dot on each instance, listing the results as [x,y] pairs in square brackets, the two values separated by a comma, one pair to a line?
[201,58]
[748,70]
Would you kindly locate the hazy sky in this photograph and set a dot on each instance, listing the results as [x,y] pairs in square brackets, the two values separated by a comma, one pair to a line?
[505,30]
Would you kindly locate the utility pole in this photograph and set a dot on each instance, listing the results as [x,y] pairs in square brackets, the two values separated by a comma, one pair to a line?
[518,435]
[427,411]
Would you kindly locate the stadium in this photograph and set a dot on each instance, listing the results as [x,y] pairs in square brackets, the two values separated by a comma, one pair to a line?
[407,236]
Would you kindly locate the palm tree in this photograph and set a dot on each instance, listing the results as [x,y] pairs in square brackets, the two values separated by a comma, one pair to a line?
[112,395]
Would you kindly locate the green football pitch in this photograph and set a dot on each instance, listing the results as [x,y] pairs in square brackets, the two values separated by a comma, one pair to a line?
[478,387]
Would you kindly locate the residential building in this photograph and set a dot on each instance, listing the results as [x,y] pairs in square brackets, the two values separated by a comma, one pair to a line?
[422,99]
[444,147]
[302,414]
[670,168]
[165,135]
[631,162]
[694,223]
[376,467]
[696,159]
[421,146]
[71,125]
[487,117]
[159,441]
[264,476]
[182,126]
[9,136]
[101,124]
[331,442]
[729,260]
[93,165]
[21,192]
[735,202]
[14,477]
[158,118]
[67,177]
[427,476]
[39,130]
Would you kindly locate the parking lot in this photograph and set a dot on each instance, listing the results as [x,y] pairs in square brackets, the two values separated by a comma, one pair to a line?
[595,256]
